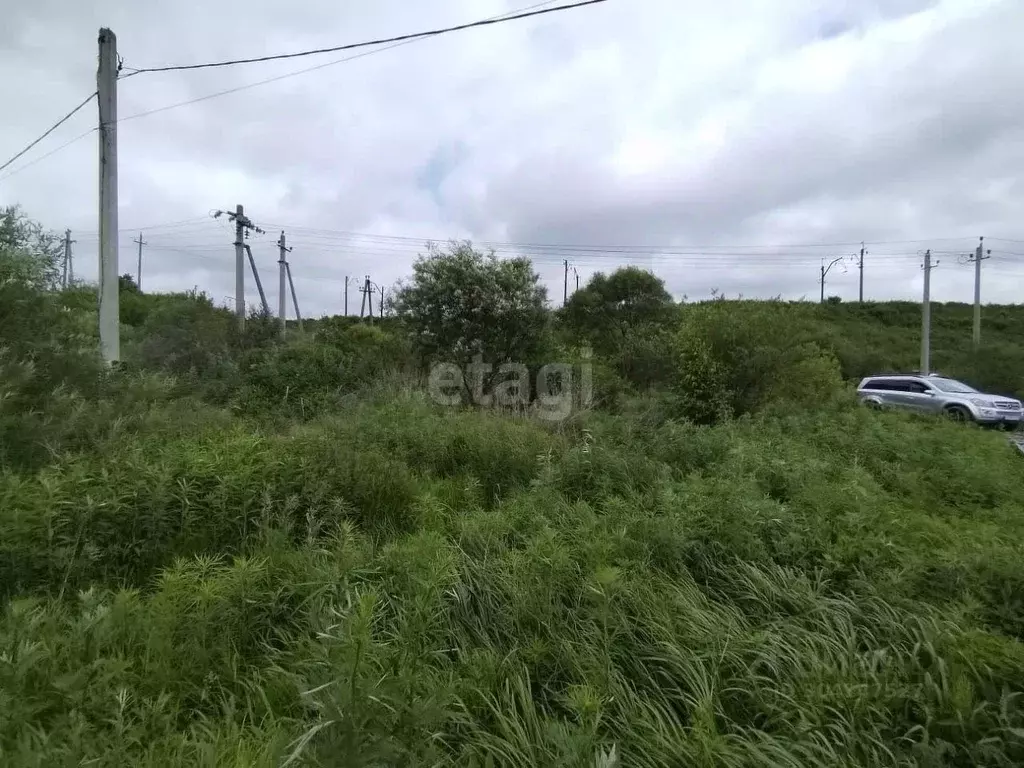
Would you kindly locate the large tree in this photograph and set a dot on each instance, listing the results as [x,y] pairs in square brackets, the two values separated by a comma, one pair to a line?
[462,304]
[610,306]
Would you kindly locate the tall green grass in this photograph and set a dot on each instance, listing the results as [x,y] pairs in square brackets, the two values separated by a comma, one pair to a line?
[240,551]
[400,586]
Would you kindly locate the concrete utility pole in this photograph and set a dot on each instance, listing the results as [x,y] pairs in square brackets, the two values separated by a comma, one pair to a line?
[346,295]
[367,291]
[240,265]
[242,226]
[282,263]
[141,242]
[979,256]
[109,291]
[926,314]
[861,265]
[259,283]
[577,273]
[68,276]
[295,300]
[382,301]
[565,283]
[825,271]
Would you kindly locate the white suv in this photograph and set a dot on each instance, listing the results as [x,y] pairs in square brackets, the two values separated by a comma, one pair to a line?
[938,394]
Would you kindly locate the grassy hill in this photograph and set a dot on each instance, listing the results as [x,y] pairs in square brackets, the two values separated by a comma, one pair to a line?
[238,551]
[887,336]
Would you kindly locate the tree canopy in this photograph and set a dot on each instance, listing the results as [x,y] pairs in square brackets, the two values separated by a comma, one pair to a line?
[28,252]
[461,304]
[611,305]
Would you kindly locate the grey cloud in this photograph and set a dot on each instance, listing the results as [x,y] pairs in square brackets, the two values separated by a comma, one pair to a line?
[918,139]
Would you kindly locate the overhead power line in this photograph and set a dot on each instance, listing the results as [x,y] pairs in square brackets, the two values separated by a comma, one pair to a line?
[699,249]
[410,39]
[367,43]
[51,129]
[296,73]
[53,151]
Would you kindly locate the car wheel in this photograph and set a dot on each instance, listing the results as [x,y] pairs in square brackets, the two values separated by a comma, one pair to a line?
[956,413]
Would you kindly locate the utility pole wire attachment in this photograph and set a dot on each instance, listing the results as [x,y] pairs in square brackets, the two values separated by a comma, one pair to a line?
[237,216]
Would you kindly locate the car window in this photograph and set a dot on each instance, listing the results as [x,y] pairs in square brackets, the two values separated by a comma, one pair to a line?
[953,386]
[918,387]
[883,384]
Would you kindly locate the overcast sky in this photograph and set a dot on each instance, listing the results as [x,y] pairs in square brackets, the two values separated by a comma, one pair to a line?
[710,142]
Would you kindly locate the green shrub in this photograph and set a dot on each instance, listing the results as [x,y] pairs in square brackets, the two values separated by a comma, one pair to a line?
[306,375]
[735,358]
[190,337]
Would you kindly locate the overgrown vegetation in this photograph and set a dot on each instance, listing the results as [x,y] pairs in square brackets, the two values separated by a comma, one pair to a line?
[238,550]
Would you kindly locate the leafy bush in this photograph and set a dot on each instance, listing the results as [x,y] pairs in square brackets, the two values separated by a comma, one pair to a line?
[610,306]
[734,358]
[29,255]
[308,374]
[192,337]
[461,304]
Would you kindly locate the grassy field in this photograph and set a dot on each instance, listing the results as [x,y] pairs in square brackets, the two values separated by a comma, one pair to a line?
[232,552]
